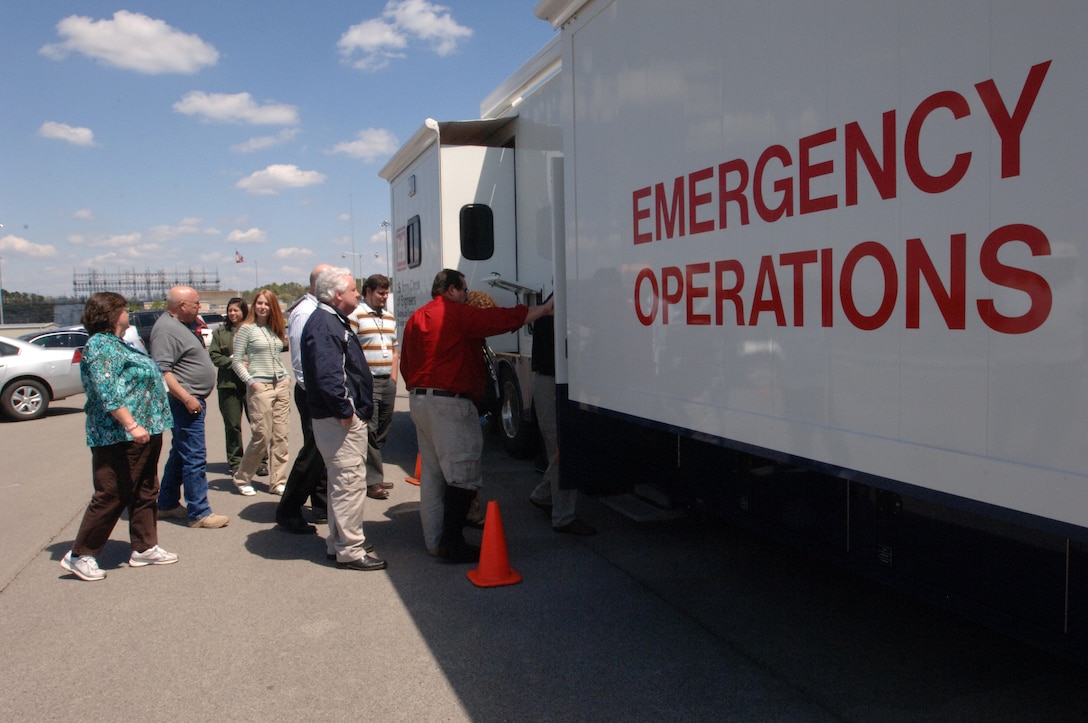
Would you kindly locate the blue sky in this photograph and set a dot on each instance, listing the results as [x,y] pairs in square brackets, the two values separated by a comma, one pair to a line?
[168,135]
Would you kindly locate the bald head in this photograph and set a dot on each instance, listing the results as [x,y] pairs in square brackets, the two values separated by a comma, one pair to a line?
[317,272]
[183,302]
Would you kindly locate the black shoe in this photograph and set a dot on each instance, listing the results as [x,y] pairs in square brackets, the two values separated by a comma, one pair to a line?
[296,525]
[262,470]
[577,527]
[545,508]
[320,518]
[367,547]
[459,554]
[365,564]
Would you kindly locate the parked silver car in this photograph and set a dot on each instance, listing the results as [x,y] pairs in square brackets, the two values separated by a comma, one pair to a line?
[75,337]
[32,376]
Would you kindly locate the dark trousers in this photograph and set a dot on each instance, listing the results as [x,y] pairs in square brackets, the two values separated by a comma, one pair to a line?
[385,397]
[308,477]
[232,404]
[126,477]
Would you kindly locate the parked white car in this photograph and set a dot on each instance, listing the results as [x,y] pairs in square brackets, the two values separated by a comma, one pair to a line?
[32,376]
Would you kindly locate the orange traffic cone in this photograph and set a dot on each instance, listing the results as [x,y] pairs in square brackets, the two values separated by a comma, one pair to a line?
[494,569]
[414,480]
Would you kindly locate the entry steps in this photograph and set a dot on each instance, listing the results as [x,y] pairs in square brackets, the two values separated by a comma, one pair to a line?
[647,503]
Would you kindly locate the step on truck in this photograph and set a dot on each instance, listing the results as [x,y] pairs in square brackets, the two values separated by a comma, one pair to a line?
[819,269]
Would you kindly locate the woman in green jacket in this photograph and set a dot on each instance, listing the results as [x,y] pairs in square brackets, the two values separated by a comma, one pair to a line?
[232,392]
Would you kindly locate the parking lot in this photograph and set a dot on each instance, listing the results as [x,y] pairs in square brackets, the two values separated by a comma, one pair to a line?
[687,620]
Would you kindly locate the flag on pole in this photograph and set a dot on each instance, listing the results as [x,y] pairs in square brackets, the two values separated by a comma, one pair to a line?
[238,258]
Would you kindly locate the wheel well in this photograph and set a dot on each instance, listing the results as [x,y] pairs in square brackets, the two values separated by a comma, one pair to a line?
[22,379]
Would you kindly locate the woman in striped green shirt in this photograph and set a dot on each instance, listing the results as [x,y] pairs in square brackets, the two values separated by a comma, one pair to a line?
[257,360]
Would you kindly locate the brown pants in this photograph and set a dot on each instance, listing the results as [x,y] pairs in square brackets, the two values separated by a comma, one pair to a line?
[126,476]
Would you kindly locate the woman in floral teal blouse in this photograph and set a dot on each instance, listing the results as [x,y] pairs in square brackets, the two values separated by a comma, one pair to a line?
[127,411]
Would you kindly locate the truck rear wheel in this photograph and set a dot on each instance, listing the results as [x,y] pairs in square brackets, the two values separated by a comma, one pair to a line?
[516,431]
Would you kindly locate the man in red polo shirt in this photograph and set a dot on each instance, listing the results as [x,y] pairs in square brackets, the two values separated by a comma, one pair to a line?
[442,364]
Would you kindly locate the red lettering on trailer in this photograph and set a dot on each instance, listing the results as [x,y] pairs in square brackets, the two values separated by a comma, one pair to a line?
[673,209]
[1032,284]
[767,295]
[1010,127]
[807,170]
[912,158]
[884,258]
[677,286]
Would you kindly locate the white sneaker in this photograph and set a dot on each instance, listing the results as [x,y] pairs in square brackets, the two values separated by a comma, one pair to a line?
[247,490]
[85,567]
[155,556]
[278,490]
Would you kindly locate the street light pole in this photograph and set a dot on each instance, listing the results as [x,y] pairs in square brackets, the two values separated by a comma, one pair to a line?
[386,225]
[345,254]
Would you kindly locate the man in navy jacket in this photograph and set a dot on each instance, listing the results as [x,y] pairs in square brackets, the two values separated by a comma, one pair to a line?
[340,399]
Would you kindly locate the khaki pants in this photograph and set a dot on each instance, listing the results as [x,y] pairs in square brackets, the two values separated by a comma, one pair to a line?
[344,452]
[450,444]
[269,416]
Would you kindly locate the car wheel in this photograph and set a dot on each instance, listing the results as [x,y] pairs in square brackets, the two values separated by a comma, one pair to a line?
[516,431]
[25,399]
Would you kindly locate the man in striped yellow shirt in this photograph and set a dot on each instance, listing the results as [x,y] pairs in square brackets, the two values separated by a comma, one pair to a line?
[377,330]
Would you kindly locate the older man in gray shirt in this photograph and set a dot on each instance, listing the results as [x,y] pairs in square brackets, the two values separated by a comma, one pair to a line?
[190,378]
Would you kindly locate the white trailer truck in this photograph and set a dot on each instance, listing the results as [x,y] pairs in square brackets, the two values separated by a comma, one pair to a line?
[820,270]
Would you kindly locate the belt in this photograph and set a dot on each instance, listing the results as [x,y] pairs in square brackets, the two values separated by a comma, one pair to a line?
[382,376]
[439,393]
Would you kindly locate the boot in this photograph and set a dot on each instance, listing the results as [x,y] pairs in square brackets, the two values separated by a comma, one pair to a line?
[453,547]
[475,516]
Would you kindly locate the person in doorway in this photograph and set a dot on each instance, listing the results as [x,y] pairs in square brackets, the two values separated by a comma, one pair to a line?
[257,360]
[376,328]
[190,378]
[443,368]
[127,411]
[560,504]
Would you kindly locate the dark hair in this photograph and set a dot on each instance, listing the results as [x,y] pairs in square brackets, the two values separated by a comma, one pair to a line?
[447,279]
[376,281]
[101,312]
[241,304]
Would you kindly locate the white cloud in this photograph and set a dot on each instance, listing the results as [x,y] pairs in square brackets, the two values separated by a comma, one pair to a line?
[134,252]
[114,241]
[372,44]
[21,247]
[430,22]
[292,252]
[250,236]
[262,142]
[64,132]
[277,178]
[165,233]
[369,144]
[235,108]
[84,214]
[132,41]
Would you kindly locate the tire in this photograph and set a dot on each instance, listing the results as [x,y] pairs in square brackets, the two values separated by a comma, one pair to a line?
[516,431]
[25,399]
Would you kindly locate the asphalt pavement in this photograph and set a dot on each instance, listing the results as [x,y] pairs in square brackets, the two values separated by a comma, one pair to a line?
[684,620]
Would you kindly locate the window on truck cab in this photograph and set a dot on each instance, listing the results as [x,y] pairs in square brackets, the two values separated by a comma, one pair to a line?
[477,232]
[413,252]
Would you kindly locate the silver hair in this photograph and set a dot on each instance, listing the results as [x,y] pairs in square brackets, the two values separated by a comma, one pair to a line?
[330,281]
